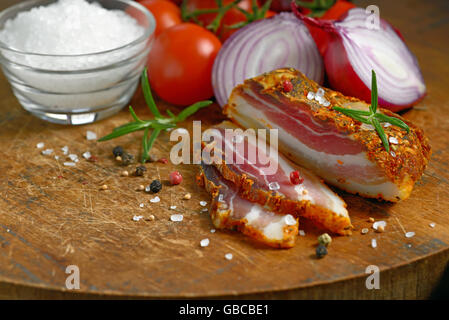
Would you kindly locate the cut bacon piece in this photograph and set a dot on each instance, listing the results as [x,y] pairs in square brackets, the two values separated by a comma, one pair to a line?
[229,211]
[265,179]
[341,150]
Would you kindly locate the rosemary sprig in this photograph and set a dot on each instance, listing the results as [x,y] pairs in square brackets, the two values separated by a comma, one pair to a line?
[159,122]
[373,117]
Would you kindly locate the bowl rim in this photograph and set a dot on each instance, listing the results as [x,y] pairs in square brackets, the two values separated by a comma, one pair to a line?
[145,36]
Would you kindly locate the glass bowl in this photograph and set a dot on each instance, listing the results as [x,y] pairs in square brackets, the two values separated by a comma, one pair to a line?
[77,95]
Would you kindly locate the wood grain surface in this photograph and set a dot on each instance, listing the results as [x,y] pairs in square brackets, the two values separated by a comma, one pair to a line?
[52,216]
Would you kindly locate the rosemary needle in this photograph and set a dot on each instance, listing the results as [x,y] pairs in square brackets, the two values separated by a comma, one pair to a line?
[373,117]
[157,124]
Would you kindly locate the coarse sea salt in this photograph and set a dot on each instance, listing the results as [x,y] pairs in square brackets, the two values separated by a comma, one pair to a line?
[69,164]
[228,256]
[74,35]
[90,135]
[212,230]
[289,220]
[46,152]
[432,224]
[155,199]
[73,157]
[70,27]
[373,243]
[204,242]
[65,150]
[172,207]
[203,203]
[409,234]
[378,224]
[87,155]
[302,233]
[40,145]
[137,218]
[176,217]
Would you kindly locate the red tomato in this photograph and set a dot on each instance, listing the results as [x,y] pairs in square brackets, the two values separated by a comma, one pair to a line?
[166,13]
[180,63]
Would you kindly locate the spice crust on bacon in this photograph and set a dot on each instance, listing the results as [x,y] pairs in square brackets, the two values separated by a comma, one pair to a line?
[343,151]
[233,212]
[311,199]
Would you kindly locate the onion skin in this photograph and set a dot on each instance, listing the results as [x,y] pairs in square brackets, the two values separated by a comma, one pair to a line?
[339,70]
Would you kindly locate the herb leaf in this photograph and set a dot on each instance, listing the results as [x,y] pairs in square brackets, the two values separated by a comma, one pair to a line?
[373,117]
[159,122]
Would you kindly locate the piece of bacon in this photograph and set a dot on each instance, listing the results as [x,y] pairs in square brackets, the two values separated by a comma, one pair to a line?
[259,183]
[229,211]
[341,150]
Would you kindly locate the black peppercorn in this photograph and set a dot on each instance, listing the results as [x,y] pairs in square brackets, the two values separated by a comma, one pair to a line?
[127,158]
[155,186]
[140,170]
[118,151]
[321,251]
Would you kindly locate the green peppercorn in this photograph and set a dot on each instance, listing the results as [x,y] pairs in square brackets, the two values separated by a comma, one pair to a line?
[155,186]
[140,171]
[118,151]
[321,251]
[127,158]
[325,239]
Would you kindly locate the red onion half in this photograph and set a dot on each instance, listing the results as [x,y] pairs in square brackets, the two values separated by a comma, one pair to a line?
[354,50]
[263,46]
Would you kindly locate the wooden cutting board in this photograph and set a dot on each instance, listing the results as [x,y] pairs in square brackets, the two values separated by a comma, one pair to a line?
[52,216]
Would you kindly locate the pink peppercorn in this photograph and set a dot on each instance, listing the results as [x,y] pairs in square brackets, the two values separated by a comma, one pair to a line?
[295,178]
[287,85]
[163,160]
[175,178]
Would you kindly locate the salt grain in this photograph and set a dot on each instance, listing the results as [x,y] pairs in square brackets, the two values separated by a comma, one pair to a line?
[289,220]
[378,224]
[176,217]
[386,124]
[432,224]
[393,140]
[69,164]
[56,157]
[373,243]
[203,203]
[87,155]
[40,145]
[393,154]
[90,135]
[65,150]
[410,234]
[141,205]
[228,256]
[274,186]
[311,95]
[172,207]
[137,218]
[320,92]
[302,233]
[46,152]
[212,230]
[155,199]
[365,230]
[204,210]
[73,157]
[204,242]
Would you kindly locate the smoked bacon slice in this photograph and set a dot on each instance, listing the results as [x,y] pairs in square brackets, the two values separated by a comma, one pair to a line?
[229,211]
[341,150]
[257,182]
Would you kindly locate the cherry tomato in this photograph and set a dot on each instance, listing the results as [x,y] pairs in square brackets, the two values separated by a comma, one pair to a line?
[180,63]
[166,13]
